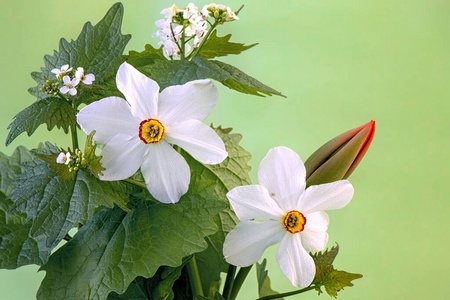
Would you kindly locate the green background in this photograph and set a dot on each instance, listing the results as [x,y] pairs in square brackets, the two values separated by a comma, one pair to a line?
[340,64]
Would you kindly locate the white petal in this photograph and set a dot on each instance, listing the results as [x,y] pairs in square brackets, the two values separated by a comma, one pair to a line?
[73,91]
[75,82]
[295,263]
[253,202]
[192,100]
[245,244]
[89,78]
[61,158]
[108,117]
[282,172]
[56,71]
[166,173]
[314,240]
[139,90]
[326,196]
[64,89]
[317,221]
[198,139]
[122,156]
[66,79]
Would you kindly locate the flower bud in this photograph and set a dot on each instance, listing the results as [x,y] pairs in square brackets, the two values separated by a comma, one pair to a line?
[339,157]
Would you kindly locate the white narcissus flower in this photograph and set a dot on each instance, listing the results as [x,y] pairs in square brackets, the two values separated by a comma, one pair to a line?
[64,69]
[86,79]
[63,158]
[292,216]
[140,133]
[69,85]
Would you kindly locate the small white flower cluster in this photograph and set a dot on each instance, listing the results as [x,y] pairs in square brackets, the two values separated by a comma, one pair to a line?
[72,78]
[73,162]
[191,22]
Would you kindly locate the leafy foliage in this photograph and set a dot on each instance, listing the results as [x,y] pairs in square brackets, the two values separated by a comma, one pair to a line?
[98,49]
[147,57]
[17,247]
[326,275]
[220,46]
[263,279]
[217,181]
[176,72]
[55,206]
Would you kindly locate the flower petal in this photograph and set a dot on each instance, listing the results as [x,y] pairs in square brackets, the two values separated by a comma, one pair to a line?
[108,117]
[198,139]
[295,263]
[139,90]
[122,157]
[282,172]
[326,196]
[245,244]
[166,173]
[64,90]
[253,202]
[193,100]
[317,221]
[314,240]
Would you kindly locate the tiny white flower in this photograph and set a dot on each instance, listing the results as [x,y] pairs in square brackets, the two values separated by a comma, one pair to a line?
[292,216]
[140,132]
[63,158]
[189,11]
[86,79]
[170,12]
[64,69]
[231,16]
[69,85]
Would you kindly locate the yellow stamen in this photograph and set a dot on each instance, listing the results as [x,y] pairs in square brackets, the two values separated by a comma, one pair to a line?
[294,221]
[151,131]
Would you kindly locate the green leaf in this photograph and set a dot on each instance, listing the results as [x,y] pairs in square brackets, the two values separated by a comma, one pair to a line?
[93,161]
[17,248]
[220,46]
[327,276]
[217,180]
[98,49]
[168,73]
[55,206]
[53,111]
[263,279]
[114,248]
[149,56]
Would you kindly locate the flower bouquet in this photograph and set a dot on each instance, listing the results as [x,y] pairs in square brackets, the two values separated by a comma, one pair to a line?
[148,201]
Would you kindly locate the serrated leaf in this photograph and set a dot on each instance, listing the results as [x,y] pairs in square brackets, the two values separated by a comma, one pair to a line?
[147,57]
[220,46]
[98,49]
[327,276]
[114,248]
[17,248]
[93,161]
[217,180]
[52,111]
[56,206]
[168,73]
[263,279]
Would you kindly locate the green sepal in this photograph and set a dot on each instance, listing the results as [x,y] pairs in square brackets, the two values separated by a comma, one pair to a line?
[220,46]
[263,280]
[327,276]
[98,49]
[177,72]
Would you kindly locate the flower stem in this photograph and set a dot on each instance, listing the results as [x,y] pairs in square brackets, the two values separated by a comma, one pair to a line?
[73,130]
[199,48]
[276,296]
[229,282]
[194,277]
[135,182]
[238,281]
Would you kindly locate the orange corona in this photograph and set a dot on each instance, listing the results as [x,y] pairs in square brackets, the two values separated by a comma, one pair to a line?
[294,221]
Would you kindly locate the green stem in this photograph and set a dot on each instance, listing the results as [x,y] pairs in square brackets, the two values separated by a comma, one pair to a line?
[73,131]
[199,48]
[229,282]
[276,296]
[238,281]
[135,182]
[194,277]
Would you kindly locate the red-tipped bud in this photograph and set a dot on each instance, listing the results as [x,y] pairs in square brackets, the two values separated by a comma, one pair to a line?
[339,157]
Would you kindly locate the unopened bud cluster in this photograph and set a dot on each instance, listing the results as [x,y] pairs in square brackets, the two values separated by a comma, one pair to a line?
[70,78]
[189,23]
[74,161]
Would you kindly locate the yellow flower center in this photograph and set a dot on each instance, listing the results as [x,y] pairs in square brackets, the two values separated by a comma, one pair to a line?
[294,221]
[151,131]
